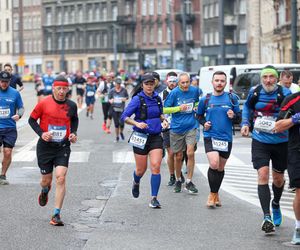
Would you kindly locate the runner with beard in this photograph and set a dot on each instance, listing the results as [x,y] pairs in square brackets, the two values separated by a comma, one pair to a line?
[264,102]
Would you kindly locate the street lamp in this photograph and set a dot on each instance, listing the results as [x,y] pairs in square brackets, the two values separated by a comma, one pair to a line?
[62,35]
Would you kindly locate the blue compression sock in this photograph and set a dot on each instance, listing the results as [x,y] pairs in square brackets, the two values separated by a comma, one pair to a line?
[155,183]
[56,211]
[136,178]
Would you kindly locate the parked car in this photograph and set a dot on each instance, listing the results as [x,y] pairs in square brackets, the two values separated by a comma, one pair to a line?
[28,78]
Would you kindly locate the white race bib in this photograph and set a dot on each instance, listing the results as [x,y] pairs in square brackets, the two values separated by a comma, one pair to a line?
[265,124]
[48,87]
[118,100]
[4,112]
[138,140]
[80,86]
[106,98]
[190,107]
[58,132]
[219,145]
[90,93]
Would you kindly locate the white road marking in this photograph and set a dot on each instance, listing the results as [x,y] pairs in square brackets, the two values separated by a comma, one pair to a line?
[79,156]
[123,157]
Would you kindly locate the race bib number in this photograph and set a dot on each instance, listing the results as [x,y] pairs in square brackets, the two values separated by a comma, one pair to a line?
[48,87]
[58,133]
[190,107]
[219,145]
[90,93]
[138,140]
[4,112]
[265,124]
[118,100]
[80,86]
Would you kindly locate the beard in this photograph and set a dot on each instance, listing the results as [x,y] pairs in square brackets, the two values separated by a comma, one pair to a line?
[271,88]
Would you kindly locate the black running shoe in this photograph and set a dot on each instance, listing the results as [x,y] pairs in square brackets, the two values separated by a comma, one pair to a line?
[172,180]
[43,197]
[177,188]
[56,221]
[122,136]
[268,225]
[135,190]
[191,188]
[154,203]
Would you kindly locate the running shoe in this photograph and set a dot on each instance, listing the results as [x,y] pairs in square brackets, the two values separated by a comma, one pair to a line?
[135,190]
[191,188]
[267,225]
[177,188]
[87,113]
[56,221]
[3,180]
[104,126]
[172,180]
[122,136]
[277,216]
[43,197]
[154,203]
[217,200]
[211,200]
[296,237]
[92,117]
[117,139]
[107,130]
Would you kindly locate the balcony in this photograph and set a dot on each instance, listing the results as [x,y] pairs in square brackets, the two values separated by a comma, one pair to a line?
[189,18]
[126,20]
[230,20]
[125,47]
[179,44]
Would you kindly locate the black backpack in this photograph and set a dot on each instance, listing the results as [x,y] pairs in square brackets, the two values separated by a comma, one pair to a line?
[144,108]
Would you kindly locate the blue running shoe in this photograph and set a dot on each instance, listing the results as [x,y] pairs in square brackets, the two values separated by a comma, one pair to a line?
[296,237]
[277,216]
[268,225]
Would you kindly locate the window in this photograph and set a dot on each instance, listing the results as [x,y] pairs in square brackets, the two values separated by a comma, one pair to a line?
[217,37]
[66,45]
[98,41]
[206,11]
[91,42]
[189,32]
[105,40]
[16,23]
[168,35]
[48,16]
[151,35]
[169,4]
[211,38]
[144,7]
[72,15]
[80,14]
[16,4]
[7,47]
[144,35]
[211,10]
[243,7]
[17,47]
[72,41]
[243,36]
[188,7]
[104,12]
[159,34]
[59,17]
[49,43]
[151,7]
[127,8]
[7,24]
[29,46]
[159,7]
[66,16]
[128,36]
[114,11]
[216,9]
[59,42]
[97,12]
[90,12]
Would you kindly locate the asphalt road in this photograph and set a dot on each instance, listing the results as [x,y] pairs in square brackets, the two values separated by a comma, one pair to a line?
[100,213]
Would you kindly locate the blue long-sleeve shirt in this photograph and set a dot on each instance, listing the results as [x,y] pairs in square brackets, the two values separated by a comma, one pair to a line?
[153,113]
[266,106]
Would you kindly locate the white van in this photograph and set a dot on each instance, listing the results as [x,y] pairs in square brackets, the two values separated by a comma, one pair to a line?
[240,78]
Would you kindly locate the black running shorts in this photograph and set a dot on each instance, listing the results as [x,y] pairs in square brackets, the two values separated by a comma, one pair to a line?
[209,148]
[262,153]
[153,142]
[294,167]
[50,155]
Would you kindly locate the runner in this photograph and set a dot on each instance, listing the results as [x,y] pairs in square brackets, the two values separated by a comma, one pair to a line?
[11,110]
[79,82]
[15,80]
[183,129]
[286,80]
[289,118]
[117,97]
[58,123]
[90,91]
[47,82]
[216,111]
[146,137]
[264,101]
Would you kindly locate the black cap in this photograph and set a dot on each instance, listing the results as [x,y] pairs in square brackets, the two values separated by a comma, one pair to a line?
[5,76]
[156,75]
[148,77]
[118,81]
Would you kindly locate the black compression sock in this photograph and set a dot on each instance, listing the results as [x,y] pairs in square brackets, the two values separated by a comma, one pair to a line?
[277,191]
[220,176]
[212,176]
[264,195]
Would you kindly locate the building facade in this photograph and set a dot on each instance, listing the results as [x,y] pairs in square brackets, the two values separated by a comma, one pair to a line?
[5,32]
[224,27]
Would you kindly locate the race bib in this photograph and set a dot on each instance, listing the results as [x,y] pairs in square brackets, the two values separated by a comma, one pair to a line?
[90,93]
[118,100]
[80,86]
[106,98]
[58,133]
[48,87]
[219,145]
[4,112]
[265,124]
[138,140]
[190,107]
